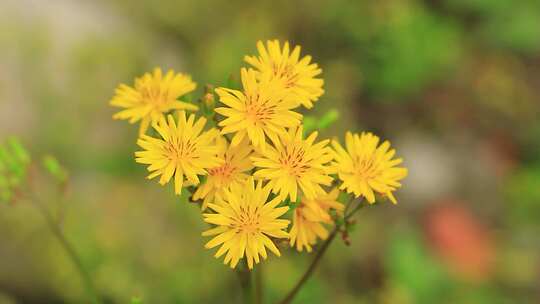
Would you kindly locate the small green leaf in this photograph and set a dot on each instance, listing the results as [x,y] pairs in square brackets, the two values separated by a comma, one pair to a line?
[52,166]
[19,152]
[293,205]
[187,98]
[328,119]
[310,124]
[8,159]
[14,161]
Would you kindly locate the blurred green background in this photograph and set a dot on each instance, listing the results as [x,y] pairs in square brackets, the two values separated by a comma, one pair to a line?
[454,84]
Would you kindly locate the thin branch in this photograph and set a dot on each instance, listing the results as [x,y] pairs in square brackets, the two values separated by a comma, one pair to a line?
[320,253]
[311,267]
[70,251]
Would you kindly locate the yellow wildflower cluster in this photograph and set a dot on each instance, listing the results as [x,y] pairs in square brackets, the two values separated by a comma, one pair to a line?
[255,164]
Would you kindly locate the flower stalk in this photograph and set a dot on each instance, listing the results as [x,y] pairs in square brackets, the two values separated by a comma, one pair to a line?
[259,274]
[320,253]
[244,276]
[70,251]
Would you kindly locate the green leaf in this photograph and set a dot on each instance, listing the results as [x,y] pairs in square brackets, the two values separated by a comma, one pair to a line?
[292,205]
[8,159]
[310,124]
[328,119]
[187,98]
[51,164]
[19,152]
[14,160]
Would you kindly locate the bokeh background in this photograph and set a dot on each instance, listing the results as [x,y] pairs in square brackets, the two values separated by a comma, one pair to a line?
[454,84]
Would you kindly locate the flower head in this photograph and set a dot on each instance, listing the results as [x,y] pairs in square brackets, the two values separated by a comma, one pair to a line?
[295,74]
[245,222]
[309,218]
[262,110]
[295,162]
[366,168]
[152,97]
[232,172]
[182,150]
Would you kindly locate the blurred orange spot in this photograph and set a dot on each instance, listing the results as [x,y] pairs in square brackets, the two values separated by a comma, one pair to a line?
[461,240]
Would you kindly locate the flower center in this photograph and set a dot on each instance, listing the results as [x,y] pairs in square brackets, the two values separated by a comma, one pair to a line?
[248,222]
[224,173]
[367,169]
[179,150]
[155,95]
[257,110]
[285,72]
[292,160]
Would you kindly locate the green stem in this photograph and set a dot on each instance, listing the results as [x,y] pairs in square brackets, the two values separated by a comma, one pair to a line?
[259,284]
[244,275]
[290,296]
[318,256]
[70,251]
[349,204]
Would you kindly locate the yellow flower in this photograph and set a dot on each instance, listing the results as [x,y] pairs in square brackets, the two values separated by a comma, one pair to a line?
[245,222]
[309,218]
[152,97]
[261,110]
[366,168]
[295,162]
[231,172]
[181,151]
[295,74]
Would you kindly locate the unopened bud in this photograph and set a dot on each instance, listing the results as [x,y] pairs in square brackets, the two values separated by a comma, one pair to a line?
[209,101]
[345,238]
